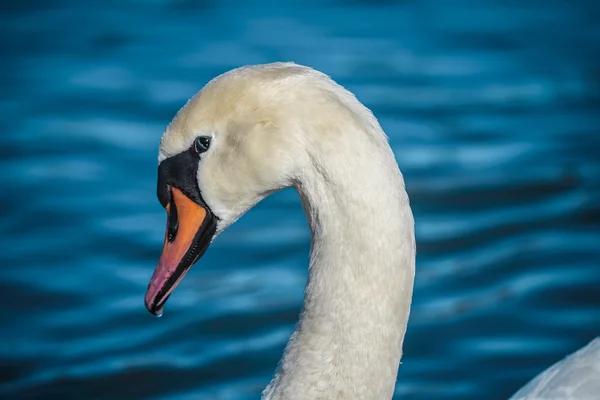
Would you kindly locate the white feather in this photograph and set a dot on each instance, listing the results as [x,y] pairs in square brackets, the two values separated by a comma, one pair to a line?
[281,125]
[577,377]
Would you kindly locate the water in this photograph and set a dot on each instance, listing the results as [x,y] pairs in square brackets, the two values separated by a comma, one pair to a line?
[491,107]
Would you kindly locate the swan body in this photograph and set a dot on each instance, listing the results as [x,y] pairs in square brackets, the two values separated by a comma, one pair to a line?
[258,129]
[577,377]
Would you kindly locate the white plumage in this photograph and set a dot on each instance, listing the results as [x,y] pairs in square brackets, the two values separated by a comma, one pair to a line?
[577,377]
[282,125]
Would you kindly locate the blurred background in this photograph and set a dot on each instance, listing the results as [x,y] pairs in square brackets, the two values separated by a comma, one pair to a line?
[492,108]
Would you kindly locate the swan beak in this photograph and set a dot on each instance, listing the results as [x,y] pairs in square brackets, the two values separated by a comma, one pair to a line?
[190,229]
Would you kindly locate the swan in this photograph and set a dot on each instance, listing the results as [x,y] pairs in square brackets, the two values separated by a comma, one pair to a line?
[255,130]
[576,377]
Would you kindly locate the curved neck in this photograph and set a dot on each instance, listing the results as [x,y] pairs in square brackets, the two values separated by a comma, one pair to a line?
[348,341]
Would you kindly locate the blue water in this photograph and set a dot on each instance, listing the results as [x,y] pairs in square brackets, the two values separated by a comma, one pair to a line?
[492,108]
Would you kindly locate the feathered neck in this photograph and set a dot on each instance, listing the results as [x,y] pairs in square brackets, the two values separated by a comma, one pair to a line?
[348,341]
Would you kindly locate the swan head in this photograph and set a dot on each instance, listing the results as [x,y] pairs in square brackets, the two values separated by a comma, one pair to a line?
[237,140]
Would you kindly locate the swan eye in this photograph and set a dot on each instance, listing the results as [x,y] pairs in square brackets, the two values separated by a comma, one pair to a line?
[202,144]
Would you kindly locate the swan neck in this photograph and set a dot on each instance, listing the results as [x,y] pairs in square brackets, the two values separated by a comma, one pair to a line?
[348,341]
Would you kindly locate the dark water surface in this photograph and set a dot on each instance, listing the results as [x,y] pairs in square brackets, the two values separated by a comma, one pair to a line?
[491,107]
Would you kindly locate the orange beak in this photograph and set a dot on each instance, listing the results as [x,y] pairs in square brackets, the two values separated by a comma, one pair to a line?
[190,229]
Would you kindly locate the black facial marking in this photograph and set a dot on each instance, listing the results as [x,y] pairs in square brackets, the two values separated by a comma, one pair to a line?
[180,171]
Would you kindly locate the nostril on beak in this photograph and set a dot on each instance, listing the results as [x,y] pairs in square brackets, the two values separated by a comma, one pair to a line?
[173,222]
